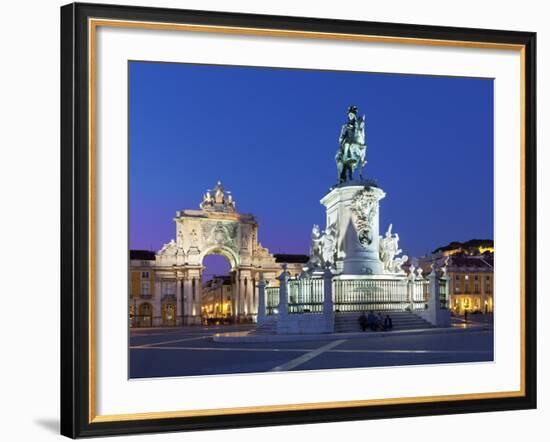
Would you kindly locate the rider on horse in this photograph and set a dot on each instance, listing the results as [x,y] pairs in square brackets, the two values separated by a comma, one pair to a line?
[351,153]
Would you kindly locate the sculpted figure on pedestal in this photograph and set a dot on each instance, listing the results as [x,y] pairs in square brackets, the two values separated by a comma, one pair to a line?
[221,201]
[329,241]
[411,276]
[207,200]
[398,263]
[389,248]
[230,201]
[219,193]
[315,249]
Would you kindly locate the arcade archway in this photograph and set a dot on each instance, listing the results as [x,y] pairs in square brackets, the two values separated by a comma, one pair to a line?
[218,290]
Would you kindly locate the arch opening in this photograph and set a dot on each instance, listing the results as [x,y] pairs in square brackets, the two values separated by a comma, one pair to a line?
[217,294]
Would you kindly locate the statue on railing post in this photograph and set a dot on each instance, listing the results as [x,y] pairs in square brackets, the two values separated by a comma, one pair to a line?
[434,280]
[438,314]
[445,280]
[411,287]
[283,291]
[261,299]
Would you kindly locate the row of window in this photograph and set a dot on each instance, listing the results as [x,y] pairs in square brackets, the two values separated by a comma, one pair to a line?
[168,288]
[476,289]
[476,277]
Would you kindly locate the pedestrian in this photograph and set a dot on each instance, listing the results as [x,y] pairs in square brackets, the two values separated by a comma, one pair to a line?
[388,323]
[371,321]
[363,321]
[380,321]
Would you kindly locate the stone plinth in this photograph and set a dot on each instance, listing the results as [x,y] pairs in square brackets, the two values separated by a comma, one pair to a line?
[353,210]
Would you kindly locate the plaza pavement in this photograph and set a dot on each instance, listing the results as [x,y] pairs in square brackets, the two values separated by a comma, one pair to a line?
[192,351]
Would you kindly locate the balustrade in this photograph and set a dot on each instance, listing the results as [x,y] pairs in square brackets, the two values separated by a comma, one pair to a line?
[306,295]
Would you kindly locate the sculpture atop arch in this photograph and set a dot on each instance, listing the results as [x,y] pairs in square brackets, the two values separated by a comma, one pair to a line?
[222,201]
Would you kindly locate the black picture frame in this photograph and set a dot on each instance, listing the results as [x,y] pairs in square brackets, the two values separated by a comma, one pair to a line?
[75,221]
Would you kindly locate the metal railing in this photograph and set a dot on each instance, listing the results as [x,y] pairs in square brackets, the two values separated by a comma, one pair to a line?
[420,291]
[271,300]
[370,294]
[351,295]
[443,298]
[305,295]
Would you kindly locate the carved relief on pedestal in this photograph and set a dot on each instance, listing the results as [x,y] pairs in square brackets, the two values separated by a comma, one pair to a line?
[364,208]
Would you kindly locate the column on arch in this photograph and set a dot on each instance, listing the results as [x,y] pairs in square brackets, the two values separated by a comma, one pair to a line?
[187,298]
[197,300]
[239,284]
[179,298]
[233,297]
[243,296]
[249,295]
[254,295]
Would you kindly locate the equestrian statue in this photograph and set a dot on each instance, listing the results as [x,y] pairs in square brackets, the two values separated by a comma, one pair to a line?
[351,152]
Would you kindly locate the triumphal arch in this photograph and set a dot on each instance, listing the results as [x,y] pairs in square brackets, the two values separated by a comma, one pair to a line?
[216,228]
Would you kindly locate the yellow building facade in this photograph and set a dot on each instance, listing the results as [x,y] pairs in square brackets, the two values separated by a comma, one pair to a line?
[471,287]
[470,281]
[143,287]
[217,299]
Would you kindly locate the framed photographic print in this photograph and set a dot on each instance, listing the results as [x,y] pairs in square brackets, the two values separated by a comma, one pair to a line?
[274,220]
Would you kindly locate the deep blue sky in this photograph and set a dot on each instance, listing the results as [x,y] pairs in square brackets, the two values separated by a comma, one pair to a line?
[270,135]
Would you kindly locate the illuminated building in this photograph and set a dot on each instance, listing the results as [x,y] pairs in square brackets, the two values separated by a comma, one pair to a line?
[217,297]
[472,247]
[470,281]
[471,284]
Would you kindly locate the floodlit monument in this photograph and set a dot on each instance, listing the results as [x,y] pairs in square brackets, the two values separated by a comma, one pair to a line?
[351,244]
[352,268]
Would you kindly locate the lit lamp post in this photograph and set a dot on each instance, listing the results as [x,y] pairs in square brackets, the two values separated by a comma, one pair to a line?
[466,308]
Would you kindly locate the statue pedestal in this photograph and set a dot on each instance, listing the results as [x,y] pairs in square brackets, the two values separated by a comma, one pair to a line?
[353,209]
